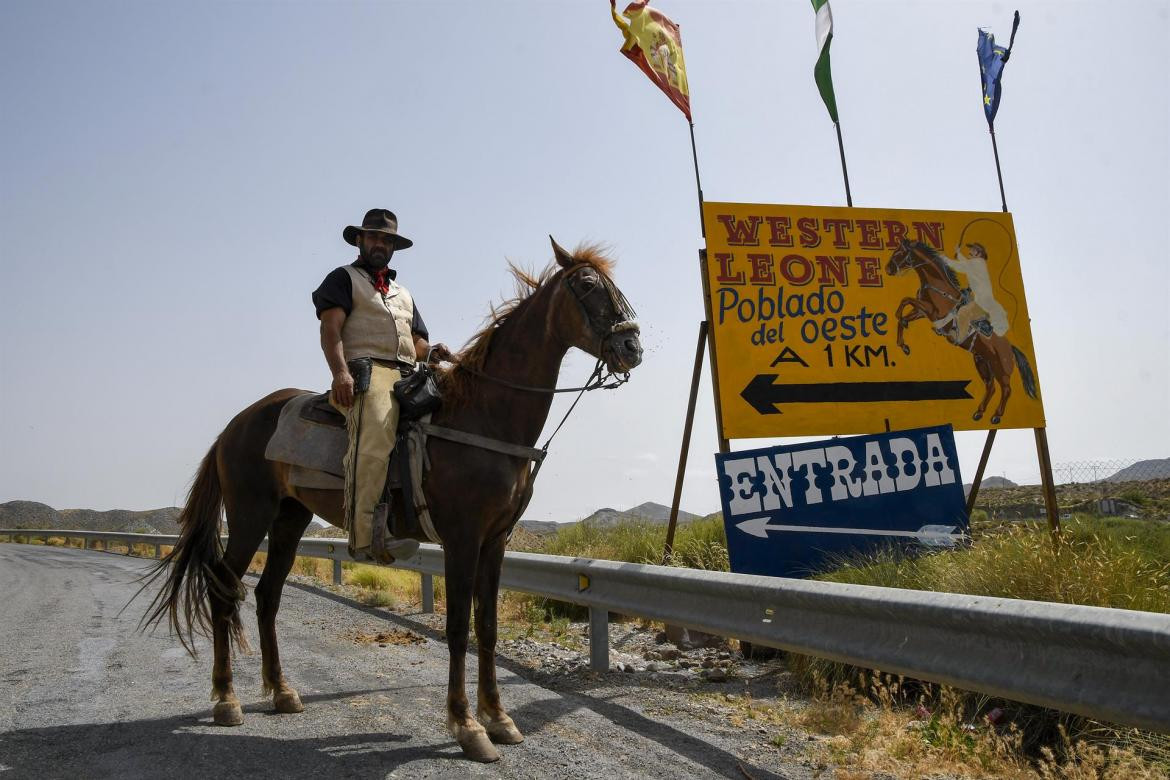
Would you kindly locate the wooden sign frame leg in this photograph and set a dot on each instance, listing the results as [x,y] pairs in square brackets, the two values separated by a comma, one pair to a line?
[1049,483]
[975,483]
[705,339]
[1051,509]
[686,443]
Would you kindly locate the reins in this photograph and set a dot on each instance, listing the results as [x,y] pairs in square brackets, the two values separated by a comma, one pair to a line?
[596,381]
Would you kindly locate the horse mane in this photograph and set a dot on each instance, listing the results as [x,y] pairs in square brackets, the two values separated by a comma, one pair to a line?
[455,384]
[936,257]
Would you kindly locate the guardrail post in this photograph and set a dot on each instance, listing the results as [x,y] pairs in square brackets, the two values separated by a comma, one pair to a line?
[158,551]
[599,639]
[336,572]
[428,593]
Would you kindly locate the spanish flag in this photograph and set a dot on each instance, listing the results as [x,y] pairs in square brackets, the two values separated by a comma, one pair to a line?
[653,44]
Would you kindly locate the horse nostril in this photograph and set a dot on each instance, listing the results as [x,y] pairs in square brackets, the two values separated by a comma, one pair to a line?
[632,345]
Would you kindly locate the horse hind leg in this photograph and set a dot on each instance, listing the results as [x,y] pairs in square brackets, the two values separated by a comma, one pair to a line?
[226,592]
[988,384]
[501,729]
[1003,376]
[1005,392]
[286,532]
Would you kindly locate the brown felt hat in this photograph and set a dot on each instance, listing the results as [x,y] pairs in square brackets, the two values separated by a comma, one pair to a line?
[378,221]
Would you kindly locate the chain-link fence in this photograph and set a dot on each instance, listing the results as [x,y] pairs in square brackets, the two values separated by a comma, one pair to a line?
[1102,488]
[1110,474]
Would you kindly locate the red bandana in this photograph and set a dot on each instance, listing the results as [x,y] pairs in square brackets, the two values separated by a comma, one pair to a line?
[381,280]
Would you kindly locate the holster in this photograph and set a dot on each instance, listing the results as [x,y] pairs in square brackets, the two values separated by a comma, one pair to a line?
[360,369]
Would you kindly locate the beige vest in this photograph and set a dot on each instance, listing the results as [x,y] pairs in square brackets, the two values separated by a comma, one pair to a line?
[378,326]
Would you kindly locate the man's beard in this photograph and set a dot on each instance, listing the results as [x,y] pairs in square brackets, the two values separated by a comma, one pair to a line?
[375,262]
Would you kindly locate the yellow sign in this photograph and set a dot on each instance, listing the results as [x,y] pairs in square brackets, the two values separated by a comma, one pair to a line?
[840,320]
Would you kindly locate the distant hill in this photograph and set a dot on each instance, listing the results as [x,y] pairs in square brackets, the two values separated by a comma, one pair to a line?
[30,514]
[650,511]
[991,483]
[1143,470]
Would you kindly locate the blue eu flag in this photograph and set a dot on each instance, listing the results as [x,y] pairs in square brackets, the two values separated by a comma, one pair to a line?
[992,58]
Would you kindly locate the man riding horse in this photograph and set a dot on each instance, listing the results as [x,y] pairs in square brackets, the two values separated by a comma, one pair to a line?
[979,311]
[371,328]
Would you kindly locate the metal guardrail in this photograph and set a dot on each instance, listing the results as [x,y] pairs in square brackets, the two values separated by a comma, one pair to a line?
[1108,664]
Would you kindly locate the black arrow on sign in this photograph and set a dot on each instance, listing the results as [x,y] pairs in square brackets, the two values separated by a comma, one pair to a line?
[763,394]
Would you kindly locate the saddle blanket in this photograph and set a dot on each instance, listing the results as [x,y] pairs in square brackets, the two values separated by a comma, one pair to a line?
[309,444]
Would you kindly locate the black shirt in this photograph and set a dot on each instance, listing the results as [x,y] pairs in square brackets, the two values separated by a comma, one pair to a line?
[337,290]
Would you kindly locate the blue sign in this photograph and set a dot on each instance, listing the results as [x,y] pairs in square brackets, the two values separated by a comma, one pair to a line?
[791,511]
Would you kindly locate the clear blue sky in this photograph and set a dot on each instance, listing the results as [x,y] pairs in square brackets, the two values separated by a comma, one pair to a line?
[174,178]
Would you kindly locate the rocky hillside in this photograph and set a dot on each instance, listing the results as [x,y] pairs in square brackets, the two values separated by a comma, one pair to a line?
[30,514]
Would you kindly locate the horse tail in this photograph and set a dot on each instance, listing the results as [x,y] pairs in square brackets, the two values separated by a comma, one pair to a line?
[1026,374]
[194,570]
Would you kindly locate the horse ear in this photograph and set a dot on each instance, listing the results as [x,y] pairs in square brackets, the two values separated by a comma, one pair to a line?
[905,243]
[564,259]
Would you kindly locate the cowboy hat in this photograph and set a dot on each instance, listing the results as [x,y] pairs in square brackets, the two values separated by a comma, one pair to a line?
[377,221]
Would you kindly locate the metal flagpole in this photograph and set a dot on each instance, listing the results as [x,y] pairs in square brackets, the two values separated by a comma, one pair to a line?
[698,184]
[844,168]
[998,171]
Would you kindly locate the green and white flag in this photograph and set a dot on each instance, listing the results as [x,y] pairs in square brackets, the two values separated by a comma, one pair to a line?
[822,72]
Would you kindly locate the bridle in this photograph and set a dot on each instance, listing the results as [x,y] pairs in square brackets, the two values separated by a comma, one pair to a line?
[601,378]
[917,262]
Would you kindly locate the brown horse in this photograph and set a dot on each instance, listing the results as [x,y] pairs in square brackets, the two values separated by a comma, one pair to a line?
[499,387]
[939,297]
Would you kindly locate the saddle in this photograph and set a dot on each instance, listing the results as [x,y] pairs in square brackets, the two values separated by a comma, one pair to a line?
[311,438]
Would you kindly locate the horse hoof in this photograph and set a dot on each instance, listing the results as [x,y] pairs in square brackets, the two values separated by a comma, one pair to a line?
[977,416]
[995,421]
[905,350]
[227,713]
[288,702]
[504,732]
[478,747]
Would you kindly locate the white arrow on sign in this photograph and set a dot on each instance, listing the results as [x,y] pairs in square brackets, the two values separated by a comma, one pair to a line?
[934,535]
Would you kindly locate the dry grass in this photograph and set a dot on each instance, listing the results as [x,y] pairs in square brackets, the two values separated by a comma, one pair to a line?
[382,586]
[862,736]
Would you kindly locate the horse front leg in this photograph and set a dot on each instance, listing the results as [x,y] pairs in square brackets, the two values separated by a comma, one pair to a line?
[459,565]
[501,728]
[905,319]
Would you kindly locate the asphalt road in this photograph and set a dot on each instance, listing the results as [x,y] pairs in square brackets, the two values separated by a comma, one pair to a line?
[83,694]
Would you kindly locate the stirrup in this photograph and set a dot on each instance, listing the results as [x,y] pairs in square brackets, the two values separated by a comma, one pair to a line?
[384,548]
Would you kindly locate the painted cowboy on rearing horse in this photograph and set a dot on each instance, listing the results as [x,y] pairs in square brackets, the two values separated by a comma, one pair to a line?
[968,317]
[496,397]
